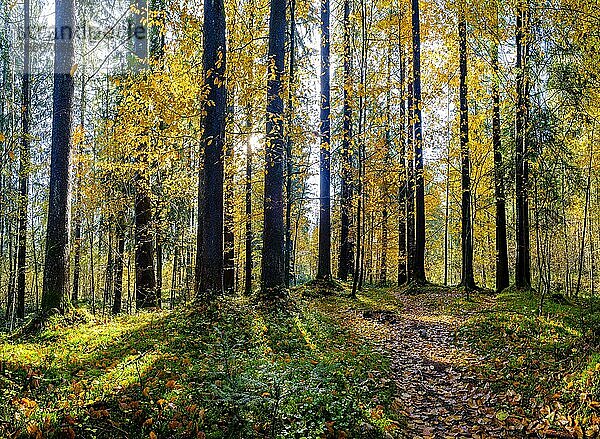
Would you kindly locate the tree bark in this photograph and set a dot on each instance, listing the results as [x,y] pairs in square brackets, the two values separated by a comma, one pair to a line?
[56,267]
[468,280]
[273,265]
[522,269]
[118,274]
[249,237]
[228,224]
[288,145]
[419,266]
[502,273]
[213,138]
[24,170]
[324,267]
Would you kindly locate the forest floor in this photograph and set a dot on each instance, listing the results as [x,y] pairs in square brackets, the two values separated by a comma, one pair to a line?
[391,363]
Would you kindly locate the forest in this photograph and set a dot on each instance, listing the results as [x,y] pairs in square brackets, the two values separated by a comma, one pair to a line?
[291,219]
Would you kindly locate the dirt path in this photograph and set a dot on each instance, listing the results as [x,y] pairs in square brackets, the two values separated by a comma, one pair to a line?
[441,394]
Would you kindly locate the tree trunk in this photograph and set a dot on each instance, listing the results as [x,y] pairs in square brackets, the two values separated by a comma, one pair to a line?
[228,224]
[522,270]
[324,268]
[56,266]
[467,280]
[213,138]
[345,258]
[288,146]
[118,273]
[23,171]
[273,265]
[249,237]
[418,146]
[410,189]
[502,273]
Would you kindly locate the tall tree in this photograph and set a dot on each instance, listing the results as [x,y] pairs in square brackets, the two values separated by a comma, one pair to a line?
[145,278]
[418,147]
[402,180]
[288,147]
[410,186]
[345,258]
[213,140]
[248,212]
[273,264]
[24,168]
[324,265]
[522,269]
[228,221]
[56,268]
[502,273]
[467,280]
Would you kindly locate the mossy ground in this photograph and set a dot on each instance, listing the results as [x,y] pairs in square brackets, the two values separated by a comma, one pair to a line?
[545,361]
[230,369]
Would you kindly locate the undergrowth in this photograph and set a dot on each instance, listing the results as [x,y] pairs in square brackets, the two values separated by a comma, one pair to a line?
[546,363]
[229,370]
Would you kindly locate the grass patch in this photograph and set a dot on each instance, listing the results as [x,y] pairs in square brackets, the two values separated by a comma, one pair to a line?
[546,364]
[228,370]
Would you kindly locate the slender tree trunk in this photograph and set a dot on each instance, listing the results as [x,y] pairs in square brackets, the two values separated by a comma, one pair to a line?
[273,264]
[345,258]
[288,145]
[359,260]
[23,171]
[56,266]
[324,268]
[78,213]
[522,270]
[585,215]
[502,273]
[249,237]
[145,277]
[174,274]
[213,139]
[410,190]
[467,280]
[447,207]
[418,146]
[402,180]
[108,274]
[228,235]
[118,274]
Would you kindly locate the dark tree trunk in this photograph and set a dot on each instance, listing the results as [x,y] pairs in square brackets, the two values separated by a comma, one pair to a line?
[23,171]
[467,280]
[118,281]
[324,267]
[249,237]
[345,259]
[228,235]
[522,269]
[288,146]
[159,268]
[410,189]
[402,171]
[359,257]
[418,146]
[145,278]
[273,264]
[56,268]
[213,138]
[502,273]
